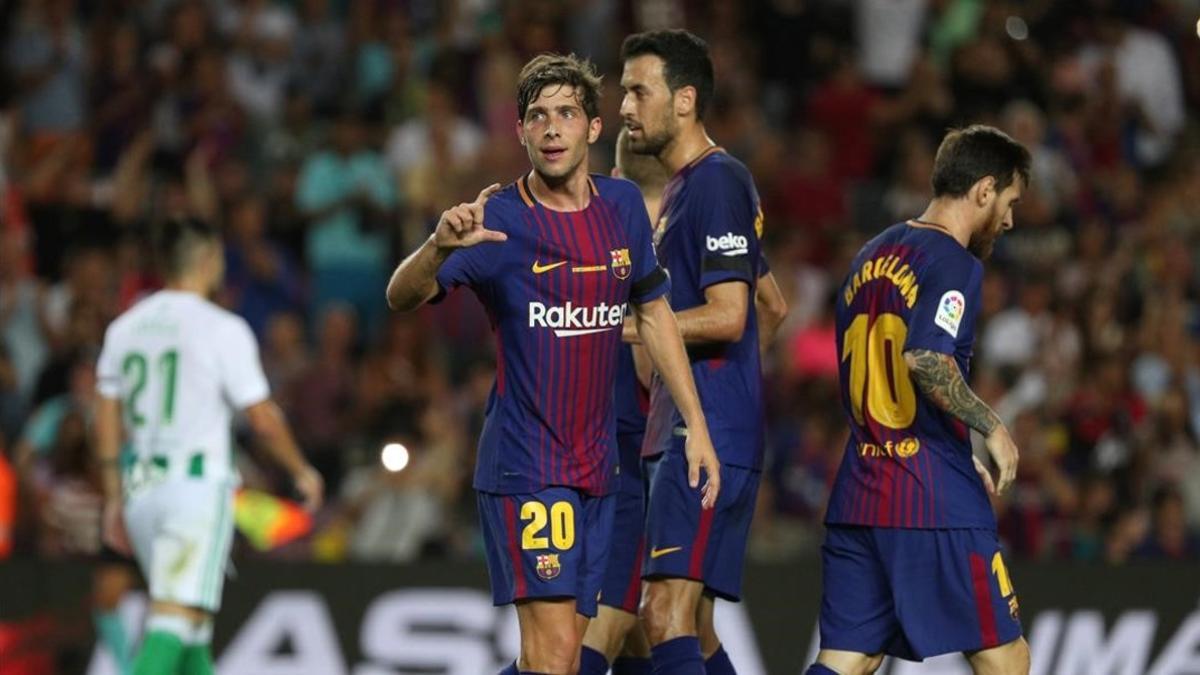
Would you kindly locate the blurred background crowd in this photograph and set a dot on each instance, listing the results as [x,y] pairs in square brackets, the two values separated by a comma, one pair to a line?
[326,136]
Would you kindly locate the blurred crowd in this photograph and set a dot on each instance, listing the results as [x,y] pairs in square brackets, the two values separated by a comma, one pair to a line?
[326,136]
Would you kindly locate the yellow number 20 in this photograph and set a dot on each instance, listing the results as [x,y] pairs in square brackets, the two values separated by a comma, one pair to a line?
[562,525]
[879,379]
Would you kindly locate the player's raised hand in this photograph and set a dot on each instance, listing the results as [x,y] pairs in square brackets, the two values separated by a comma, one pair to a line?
[311,487]
[114,533]
[701,455]
[462,226]
[1004,453]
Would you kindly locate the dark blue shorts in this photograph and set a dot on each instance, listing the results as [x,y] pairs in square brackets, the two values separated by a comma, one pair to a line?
[684,541]
[915,593]
[622,586]
[549,544]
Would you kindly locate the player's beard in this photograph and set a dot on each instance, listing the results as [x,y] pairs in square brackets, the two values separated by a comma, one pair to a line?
[654,143]
[982,241]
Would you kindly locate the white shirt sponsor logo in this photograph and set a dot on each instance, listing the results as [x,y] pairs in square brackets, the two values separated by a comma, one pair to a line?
[728,244]
[570,320]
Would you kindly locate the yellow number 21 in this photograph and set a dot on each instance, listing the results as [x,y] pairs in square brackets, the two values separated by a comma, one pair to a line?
[562,525]
[879,382]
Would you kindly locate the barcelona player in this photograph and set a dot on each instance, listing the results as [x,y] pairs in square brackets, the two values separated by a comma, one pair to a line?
[707,235]
[556,258]
[912,565]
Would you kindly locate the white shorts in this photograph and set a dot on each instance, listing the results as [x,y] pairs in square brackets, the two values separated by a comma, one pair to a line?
[181,530]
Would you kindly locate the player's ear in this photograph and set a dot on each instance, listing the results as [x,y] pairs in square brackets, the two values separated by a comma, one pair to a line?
[594,129]
[984,191]
[685,101]
[521,132]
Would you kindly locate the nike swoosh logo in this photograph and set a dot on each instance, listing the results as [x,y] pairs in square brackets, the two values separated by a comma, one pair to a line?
[539,268]
[660,552]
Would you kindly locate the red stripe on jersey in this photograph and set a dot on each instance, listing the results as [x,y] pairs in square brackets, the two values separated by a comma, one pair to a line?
[514,549]
[700,543]
[541,394]
[596,359]
[983,601]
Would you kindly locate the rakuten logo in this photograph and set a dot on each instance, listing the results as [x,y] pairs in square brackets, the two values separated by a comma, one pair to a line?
[569,320]
[729,244]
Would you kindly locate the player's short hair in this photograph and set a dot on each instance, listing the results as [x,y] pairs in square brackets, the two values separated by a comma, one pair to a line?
[645,170]
[177,241]
[546,70]
[970,154]
[686,62]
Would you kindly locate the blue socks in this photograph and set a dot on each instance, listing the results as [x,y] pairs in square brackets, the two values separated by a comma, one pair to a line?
[630,665]
[592,662]
[719,663]
[512,670]
[818,669]
[680,656]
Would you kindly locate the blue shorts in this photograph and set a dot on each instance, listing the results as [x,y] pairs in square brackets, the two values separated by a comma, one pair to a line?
[915,593]
[622,586]
[684,541]
[549,544]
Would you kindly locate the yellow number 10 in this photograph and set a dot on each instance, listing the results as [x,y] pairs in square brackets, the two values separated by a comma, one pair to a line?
[562,525]
[878,350]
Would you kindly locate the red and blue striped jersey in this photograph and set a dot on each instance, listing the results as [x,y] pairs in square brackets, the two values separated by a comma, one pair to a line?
[907,463]
[709,234]
[556,293]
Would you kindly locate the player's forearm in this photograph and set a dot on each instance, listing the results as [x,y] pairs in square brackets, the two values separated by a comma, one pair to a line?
[938,377]
[269,425]
[707,323]
[659,332]
[415,280]
[771,309]
[108,446]
[643,368]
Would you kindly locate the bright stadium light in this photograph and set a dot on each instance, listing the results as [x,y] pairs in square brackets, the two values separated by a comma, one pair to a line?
[395,457]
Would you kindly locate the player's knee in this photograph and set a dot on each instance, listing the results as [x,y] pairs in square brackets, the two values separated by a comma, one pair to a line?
[553,648]
[850,663]
[663,615]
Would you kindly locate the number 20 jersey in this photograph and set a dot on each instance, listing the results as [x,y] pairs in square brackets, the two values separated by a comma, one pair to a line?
[907,463]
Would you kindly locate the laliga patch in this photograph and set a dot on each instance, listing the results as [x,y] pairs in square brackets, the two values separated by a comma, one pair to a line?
[950,311]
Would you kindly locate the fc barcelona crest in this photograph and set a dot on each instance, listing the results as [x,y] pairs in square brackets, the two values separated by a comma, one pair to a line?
[621,264]
[547,566]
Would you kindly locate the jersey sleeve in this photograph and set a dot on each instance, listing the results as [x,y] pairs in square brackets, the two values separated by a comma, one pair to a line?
[727,238]
[650,280]
[242,377]
[947,302]
[108,369]
[764,268]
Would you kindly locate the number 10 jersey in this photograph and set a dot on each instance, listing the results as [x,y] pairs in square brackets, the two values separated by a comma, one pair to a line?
[907,463]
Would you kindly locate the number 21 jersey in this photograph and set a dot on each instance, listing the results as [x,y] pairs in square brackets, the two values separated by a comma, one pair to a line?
[907,463]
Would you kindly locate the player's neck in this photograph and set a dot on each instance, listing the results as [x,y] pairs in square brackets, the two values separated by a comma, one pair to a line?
[948,216]
[570,193]
[691,142]
[188,285]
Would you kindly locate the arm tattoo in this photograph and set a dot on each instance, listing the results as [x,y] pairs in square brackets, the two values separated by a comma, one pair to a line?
[938,377]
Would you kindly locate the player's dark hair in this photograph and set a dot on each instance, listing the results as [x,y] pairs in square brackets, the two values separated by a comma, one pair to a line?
[968,155]
[176,243]
[546,70]
[686,62]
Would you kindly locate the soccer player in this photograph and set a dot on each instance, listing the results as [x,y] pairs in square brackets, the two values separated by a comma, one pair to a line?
[708,240]
[174,369]
[912,565]
[556,257]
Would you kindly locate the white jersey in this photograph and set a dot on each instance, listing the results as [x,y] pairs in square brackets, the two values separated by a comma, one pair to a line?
[181,367]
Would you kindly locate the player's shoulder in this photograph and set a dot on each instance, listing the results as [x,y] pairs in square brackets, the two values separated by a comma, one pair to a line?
[508,202]
[616,189]
[717,168]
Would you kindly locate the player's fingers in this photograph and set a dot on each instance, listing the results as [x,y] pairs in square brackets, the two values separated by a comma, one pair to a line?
[713,469]
[693,472]
[487,192]
[987,480]
[476,212]
[493,235]
[450,217]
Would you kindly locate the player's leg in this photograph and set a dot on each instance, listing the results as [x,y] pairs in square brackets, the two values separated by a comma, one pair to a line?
[1007,659]
[620,591]
[110,581]
[538,548]
[953,594]
[716,660]
[185,550]
[634,658]
[857,619]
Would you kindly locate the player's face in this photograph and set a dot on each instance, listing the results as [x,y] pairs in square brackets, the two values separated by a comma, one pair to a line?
[556,133]
[999,219]
[648,108]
